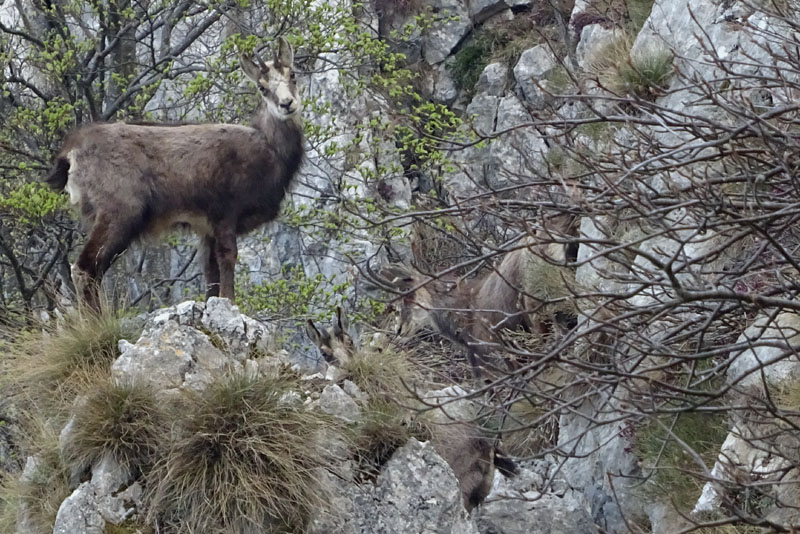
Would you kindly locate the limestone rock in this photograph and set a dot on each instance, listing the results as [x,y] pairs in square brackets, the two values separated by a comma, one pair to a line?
[517,154]
[439,84]
[545,514]
[452,26]
[492,81]
[79,513]
[417,492]
[109,497]
[530,72]
[594,41]
[598,449]
[336,402]
[480,10]
[241,333]
[171,356]
[772,348]
[187,313]
[483,111]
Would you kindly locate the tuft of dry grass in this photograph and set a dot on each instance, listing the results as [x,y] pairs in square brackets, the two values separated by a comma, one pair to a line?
[125,421]
[528,429]
[242,459]
[788,396]
[54,363]
[386,426]
[644,75]
[37,497]
[382,374]
[388,421]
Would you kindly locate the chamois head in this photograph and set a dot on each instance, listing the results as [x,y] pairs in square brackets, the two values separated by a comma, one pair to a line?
[420,297]
[334,343]
[276,81]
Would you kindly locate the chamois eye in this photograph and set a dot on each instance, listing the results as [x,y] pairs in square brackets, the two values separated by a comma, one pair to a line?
[292,76]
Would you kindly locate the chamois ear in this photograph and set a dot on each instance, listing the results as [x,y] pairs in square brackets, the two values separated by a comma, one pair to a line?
[251,70]
[342,323]
[313,333]
[285,54]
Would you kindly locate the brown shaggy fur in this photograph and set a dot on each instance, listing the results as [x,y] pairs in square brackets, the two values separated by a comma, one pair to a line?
[221,179]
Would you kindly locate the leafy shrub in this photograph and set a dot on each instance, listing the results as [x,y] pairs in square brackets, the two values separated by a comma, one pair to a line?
[469,62]
[292,295]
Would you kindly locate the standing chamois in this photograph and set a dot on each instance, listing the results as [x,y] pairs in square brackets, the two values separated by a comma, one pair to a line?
[222,180]
[514,294]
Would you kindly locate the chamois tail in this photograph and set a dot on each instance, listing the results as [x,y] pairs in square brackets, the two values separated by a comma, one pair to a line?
[504,464]
[57,179]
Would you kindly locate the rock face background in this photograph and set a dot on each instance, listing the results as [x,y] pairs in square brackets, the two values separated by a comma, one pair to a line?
[560,129]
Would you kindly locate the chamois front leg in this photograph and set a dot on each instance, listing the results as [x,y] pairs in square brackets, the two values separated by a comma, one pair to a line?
[210,266]
[226,253]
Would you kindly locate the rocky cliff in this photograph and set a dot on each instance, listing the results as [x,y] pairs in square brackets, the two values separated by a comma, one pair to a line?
[655,389]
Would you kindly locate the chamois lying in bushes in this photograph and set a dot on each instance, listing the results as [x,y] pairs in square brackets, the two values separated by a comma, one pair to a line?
[223,180]
[515,293]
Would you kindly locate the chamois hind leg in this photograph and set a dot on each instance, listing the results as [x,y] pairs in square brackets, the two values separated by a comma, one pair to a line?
[108,237]
[226,253]
[210,267]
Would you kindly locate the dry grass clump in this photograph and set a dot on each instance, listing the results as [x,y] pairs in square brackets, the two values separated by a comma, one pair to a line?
[54,363]
[388,421]
[386,426]
[243,459]
[37,497]
[528,428]
[380,374]
[547,281]
[125,421]
[644,75]
[788,396]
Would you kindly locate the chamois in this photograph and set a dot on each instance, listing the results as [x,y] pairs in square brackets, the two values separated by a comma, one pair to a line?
[471,313]
[334,343]
[222,180]
[471,455]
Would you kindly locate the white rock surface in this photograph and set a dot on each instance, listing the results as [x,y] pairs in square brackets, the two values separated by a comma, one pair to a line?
[336,402]
[530,72]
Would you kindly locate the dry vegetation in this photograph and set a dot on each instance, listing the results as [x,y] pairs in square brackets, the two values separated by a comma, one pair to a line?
[51,364]
[244,456]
